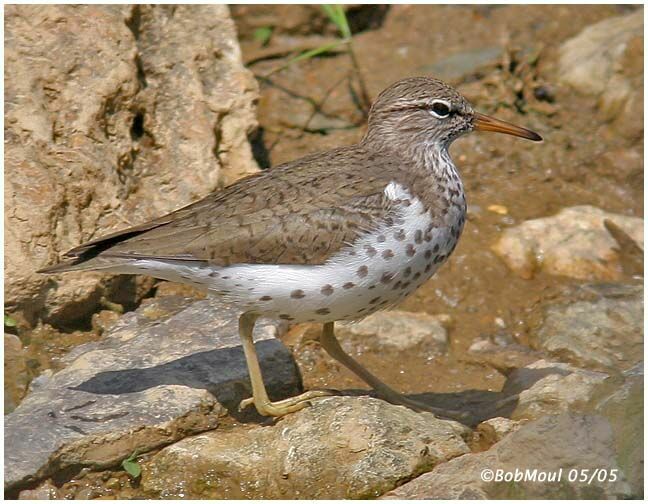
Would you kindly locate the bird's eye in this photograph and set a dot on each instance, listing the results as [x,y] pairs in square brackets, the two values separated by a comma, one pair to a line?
[440,109]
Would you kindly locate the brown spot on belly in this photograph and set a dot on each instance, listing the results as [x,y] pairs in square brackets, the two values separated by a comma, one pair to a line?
[327,290]
[386,278]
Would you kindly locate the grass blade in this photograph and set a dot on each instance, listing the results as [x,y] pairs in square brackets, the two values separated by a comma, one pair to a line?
[337,15]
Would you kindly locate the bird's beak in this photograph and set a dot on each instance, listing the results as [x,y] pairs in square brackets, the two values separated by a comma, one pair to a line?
[483,122]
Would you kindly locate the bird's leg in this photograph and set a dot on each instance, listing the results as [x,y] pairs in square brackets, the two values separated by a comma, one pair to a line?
[260,397]
[332,346]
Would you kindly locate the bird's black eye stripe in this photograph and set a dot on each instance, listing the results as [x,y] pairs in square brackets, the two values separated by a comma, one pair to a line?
[440,108]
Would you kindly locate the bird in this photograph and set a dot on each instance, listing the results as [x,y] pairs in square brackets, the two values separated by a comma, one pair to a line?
[332,236]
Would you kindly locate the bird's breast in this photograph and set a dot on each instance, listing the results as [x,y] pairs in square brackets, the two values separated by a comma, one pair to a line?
[377,270]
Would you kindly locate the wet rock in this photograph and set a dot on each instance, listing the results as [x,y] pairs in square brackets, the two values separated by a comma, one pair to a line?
[599,325]
[397,330]
[114,115]
[16,373]
[546,388]
[573,243]
[556,446]
[341,447]
[590,60]
[161,373]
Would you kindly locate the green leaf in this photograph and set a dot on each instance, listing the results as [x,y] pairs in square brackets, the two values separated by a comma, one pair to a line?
[9,322]
[131,466]
[262,35]
[337,15]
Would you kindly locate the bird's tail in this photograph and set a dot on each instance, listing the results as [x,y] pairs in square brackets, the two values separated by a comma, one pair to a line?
[77,264]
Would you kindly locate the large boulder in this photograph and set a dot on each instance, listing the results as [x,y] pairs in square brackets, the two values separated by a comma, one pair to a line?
[113,115]
[163,372]
[341,447]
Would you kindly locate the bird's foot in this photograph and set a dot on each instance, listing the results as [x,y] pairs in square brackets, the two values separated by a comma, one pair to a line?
[285,406]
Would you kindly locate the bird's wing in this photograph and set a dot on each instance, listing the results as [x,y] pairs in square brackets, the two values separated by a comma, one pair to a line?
[299,213]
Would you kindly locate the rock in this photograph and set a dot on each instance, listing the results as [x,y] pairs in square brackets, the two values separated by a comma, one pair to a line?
[45,491]
[573,243]
[548,388]
[341,447]
[496,429]
[503,357]
[161,373]
[104,320]
[590,60]
[114,115]
[598,326]
[16,373]
[397,330]
[606,60]
[558,447]
[457,67]
[178,289]
[623,405]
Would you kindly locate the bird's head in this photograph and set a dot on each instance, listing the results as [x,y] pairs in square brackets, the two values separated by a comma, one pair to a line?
[427,111]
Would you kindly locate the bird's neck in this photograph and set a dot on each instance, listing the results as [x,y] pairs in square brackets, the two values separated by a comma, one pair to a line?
[418,154]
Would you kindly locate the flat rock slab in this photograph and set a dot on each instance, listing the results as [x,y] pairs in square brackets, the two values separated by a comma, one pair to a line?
[340,447]
[161,373]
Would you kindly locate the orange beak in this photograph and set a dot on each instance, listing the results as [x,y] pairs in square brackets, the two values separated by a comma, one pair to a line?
[487,123]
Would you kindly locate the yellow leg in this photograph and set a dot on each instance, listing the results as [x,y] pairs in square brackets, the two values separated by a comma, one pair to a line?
[332,346]
[260,397]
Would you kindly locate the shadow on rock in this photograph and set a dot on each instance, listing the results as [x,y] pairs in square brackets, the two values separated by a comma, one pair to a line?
[217,371]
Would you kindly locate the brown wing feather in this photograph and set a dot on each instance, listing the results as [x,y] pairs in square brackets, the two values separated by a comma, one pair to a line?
[298,213]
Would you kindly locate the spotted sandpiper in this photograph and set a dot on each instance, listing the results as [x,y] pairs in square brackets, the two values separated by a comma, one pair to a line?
[332,236]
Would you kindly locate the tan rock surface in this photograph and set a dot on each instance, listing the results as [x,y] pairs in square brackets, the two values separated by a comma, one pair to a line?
[573,243]
[341,447]
[114,115]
